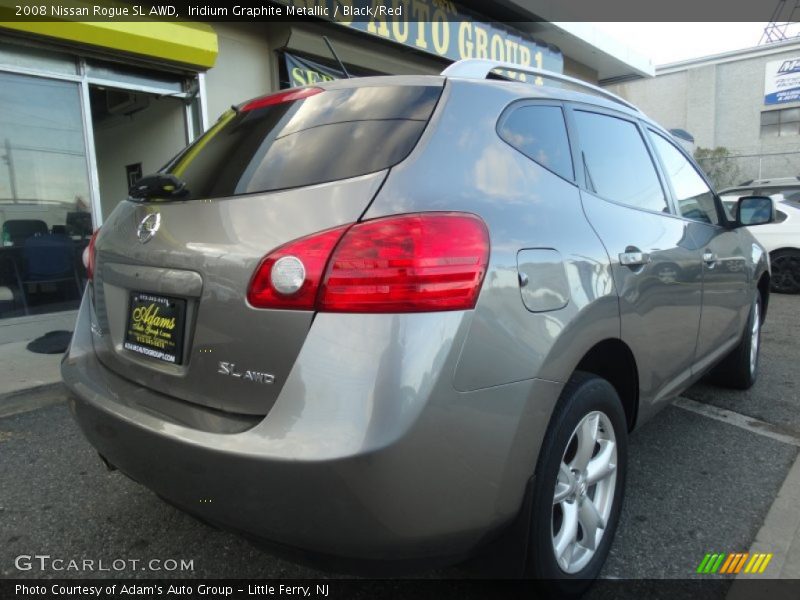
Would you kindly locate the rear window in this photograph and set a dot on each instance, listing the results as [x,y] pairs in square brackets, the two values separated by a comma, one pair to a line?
[332,135]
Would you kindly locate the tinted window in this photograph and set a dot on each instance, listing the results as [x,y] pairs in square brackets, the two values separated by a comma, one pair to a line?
[539,132]
[616,162]
[695,199]
[333,135]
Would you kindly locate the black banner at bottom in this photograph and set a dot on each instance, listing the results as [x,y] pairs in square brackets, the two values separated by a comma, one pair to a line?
[390,589]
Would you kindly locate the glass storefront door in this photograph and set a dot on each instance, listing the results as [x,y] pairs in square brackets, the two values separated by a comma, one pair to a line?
[74,133]
[45,200]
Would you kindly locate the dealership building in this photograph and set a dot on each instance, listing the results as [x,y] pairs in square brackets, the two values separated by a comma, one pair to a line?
[745,103]
[86,108]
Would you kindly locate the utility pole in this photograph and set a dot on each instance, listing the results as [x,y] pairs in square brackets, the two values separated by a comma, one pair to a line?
[12,175]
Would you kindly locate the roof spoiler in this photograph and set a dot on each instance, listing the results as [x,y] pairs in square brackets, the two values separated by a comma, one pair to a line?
[479,68]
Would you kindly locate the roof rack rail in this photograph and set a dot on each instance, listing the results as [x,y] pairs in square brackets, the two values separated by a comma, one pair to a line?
[479,68]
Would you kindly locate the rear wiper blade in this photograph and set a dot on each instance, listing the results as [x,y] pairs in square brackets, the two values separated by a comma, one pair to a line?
[161,186]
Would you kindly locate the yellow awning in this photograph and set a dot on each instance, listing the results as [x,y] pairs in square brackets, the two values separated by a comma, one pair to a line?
[193,44]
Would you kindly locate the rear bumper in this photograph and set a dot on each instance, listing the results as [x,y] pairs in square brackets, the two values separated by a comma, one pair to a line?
[359,458]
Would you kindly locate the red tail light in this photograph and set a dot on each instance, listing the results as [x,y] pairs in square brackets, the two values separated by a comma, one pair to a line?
[280,98]
[409,263]
[89,256]
[313,252]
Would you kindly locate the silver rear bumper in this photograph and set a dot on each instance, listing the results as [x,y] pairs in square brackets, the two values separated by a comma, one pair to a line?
[368,457]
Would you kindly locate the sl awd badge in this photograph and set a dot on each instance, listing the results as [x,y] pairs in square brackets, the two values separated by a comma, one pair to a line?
[148,227]
[229,368]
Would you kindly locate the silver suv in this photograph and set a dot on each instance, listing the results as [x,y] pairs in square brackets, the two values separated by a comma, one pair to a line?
[396,318]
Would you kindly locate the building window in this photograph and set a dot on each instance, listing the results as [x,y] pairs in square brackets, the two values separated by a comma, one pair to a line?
[783,122]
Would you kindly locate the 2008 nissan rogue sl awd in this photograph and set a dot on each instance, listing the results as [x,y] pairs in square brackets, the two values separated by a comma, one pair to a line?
[382,318]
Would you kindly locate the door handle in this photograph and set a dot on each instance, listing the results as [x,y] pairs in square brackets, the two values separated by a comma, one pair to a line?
[634,259]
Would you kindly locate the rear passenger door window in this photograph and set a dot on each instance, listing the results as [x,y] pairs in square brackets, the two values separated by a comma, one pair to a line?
[616,162]
[693,197]
[540,133]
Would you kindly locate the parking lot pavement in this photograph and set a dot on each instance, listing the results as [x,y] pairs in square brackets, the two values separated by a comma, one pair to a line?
[695,485]
[776,396]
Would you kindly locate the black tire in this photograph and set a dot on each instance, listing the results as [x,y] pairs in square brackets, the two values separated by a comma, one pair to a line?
[785,271]
[584,395]
[736,371]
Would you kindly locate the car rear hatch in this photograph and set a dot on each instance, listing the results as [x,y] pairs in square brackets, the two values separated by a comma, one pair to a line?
[172,270]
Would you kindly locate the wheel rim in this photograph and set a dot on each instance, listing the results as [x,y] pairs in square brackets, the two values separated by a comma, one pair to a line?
[754,337]
[584,492]
[786,273]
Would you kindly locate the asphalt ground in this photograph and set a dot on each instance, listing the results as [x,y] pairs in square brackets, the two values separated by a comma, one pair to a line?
[695,485]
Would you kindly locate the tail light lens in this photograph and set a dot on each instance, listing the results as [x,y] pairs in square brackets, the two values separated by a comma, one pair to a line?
[312,253]
[89,256]
[410,263]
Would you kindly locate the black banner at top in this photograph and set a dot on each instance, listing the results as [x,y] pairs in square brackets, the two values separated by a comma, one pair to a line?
[391,11]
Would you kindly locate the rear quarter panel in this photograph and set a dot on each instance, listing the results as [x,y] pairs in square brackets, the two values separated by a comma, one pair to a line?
[462,164]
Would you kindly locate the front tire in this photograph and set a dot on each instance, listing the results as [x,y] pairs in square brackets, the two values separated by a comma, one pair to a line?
[739,370]
[579,485]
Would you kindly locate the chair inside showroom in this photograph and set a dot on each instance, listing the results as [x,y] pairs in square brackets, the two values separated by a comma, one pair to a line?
[79,224]
[50,259]
[12,293]
[19,230]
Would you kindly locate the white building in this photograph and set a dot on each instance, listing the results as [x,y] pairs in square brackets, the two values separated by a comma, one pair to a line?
[746,101]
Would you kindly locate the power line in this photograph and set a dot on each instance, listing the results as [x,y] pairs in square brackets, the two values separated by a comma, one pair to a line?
[778,30]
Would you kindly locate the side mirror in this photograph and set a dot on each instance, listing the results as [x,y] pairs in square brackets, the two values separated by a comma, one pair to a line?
[754,210]
[158,186]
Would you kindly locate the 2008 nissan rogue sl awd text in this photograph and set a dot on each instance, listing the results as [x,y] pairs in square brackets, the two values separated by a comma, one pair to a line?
[389,318]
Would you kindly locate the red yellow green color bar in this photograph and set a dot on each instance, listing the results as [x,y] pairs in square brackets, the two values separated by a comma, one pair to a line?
[731,564]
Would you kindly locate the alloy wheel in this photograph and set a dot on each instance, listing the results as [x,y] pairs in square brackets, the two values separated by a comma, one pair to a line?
[584,492]
[786,273]
[754,336]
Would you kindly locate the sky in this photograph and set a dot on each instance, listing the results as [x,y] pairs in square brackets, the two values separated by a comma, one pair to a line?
[671,42]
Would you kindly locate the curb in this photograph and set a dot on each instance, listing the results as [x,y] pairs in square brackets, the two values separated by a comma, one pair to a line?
[779,535]
[32,398]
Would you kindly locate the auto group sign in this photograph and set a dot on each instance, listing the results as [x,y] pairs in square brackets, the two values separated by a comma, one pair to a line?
[438,27]
[782,81]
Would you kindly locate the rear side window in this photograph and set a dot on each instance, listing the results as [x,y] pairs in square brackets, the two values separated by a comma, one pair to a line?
[616,162]
[540,133]
[332,135]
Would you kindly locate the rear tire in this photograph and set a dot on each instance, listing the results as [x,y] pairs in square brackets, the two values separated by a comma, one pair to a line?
[739,370]
[578,488]
[785,271]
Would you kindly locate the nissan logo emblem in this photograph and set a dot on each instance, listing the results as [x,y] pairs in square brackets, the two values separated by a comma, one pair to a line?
[148,227]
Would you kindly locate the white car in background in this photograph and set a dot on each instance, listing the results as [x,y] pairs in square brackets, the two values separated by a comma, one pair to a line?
[781,238]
